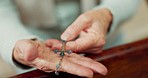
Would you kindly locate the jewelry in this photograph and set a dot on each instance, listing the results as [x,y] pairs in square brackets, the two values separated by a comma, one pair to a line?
[62,54]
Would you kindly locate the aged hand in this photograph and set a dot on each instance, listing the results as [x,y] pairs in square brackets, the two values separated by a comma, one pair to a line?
[37,54]
[87,34]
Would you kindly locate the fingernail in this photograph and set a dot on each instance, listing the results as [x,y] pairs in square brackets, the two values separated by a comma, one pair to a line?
[104,72]
[65,36]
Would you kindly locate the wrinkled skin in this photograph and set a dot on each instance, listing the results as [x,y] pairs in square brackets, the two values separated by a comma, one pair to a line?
[37,54]
[91,27]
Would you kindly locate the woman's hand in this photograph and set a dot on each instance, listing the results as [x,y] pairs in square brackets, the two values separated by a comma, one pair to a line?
[37,54]
[87,34]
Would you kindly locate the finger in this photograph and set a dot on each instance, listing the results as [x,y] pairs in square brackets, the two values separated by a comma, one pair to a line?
[46,61]
[66,66]
[74,30]
[75,68]
[81,43]
[89,63]
[55,44]
[51,42]
[87,39]
[28,49]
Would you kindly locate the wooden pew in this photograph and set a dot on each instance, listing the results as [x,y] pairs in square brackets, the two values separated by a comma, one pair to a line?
[125,61]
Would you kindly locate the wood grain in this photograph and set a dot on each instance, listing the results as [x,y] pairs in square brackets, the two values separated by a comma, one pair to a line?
[125,61]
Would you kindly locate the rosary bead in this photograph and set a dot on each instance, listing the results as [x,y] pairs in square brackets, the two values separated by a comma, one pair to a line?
[63,41]
[62,54]
[69,51]
[56,73]
[55,51]
[58,66]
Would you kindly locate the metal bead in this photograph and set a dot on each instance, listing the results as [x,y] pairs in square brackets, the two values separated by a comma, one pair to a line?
[69,51]
[56,73]
[62,54]
[63,41]
[56,51]
[58,66]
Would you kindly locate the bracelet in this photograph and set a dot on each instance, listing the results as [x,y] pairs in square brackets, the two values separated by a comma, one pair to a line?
[62,54]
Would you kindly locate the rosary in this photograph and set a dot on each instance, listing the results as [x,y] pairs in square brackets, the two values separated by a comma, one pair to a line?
[62,54]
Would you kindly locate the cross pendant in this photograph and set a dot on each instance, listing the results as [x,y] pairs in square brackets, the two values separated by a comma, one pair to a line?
[63,50]
[62,54]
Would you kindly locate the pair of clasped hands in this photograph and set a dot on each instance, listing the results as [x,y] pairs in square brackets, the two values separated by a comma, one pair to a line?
[85,35]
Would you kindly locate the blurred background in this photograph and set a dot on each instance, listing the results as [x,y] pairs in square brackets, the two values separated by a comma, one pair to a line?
[133,29]
[138,25]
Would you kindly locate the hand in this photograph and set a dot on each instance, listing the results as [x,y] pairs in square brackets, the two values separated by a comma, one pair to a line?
[37,54]
[90,28]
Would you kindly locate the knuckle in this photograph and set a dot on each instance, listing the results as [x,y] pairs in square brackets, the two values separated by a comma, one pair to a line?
[93,38]
[77,47]
[80,47]
[102,42]
[74,46]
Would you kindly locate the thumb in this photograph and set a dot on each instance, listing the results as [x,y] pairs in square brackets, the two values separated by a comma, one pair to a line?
[29,50]
[74,29]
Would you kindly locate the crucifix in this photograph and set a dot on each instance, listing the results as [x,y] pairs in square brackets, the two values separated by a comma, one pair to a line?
[62,54]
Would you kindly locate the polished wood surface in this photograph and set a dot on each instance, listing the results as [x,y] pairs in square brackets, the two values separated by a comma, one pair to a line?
[125,61]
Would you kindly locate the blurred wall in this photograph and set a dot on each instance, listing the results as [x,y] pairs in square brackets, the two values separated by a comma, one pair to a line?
[137,27]
[133,29]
